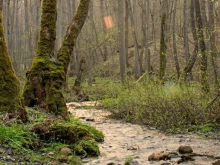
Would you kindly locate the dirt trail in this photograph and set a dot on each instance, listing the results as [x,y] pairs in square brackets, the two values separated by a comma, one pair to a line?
[125,140]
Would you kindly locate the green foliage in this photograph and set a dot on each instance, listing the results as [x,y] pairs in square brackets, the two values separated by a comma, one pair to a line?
[53,135]
[168,107]
[17,136]
[129,159]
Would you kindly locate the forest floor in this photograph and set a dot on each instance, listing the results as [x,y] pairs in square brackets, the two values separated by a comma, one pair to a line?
[126,142]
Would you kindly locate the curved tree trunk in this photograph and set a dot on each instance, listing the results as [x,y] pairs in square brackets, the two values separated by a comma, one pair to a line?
[190,63]
[47,75]
[10,86]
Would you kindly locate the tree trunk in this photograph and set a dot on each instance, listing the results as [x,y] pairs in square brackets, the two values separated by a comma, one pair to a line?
[186,44]
[121,39]
[203,67]
[174,41]
[137,70]
[214,50]
[91,52]
[163,47]
[187,69]
[147,33]
[46,76]
[10,86]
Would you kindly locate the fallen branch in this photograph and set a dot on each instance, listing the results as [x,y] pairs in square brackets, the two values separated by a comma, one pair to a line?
[213,100]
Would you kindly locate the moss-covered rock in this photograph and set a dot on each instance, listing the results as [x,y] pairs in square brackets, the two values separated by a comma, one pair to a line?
[82,137]
[86,148]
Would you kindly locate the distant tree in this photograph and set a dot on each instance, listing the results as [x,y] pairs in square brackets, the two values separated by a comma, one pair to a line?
[121,39]
[46,77]
[190,63]
[174,40]
[163,46]
[213,47]
[203,65]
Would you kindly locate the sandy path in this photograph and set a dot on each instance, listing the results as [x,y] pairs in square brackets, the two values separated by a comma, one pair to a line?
[124,140]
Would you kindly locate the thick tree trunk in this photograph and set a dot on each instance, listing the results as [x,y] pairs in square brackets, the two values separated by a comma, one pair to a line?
[10,87]
[47,75]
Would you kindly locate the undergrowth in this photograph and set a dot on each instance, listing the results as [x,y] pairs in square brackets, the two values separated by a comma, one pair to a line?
[32,146]
[167,107]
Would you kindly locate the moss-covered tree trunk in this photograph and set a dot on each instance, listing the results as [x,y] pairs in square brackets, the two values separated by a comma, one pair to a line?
[46,77]
[10,86]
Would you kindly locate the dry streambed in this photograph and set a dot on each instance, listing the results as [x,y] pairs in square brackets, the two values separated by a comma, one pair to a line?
[125,141]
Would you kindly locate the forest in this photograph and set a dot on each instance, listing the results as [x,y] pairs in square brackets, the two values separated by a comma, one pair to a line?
[71,69]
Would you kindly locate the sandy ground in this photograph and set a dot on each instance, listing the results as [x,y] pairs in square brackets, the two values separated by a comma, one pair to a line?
[125,140]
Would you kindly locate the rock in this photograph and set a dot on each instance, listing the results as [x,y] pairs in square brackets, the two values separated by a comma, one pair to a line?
[165,164]
[159,156]
[90,120]
[217,162]
[51,153]
[185,149]
[66,151]
[133,162]
[52,163]
[111,163]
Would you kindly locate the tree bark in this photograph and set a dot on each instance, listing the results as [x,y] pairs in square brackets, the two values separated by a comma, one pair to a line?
[211,27]
[163,47]
[203,65]
[187,69]
[10,100]
[174,41]
[46,76]
[121,39]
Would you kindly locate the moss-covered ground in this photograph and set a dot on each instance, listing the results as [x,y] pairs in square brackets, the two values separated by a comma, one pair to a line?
[41,139]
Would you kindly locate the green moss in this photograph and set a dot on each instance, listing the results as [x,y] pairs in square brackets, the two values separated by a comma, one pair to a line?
[10,86]
[82,137]
[86,148]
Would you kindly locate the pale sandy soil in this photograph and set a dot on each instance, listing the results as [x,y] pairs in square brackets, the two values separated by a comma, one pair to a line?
[125,140]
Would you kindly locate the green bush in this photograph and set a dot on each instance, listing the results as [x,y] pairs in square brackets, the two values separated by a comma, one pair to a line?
[167,107]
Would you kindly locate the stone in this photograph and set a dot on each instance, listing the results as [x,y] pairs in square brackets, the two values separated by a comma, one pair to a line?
[185,149]
[111,163]
[159,156]
[133,162]
[217,162]
[66,151]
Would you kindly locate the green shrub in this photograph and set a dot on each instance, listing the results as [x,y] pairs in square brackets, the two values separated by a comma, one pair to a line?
[167,107]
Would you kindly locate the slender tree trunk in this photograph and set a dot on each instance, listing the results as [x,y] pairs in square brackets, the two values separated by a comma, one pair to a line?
[137,70]
[174,41]
[90,62]
[187,69]
[147,33]
[203,67]
[163,47]
[122,56]
[186,44]
[126,32]
[214,50]
[46,77]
